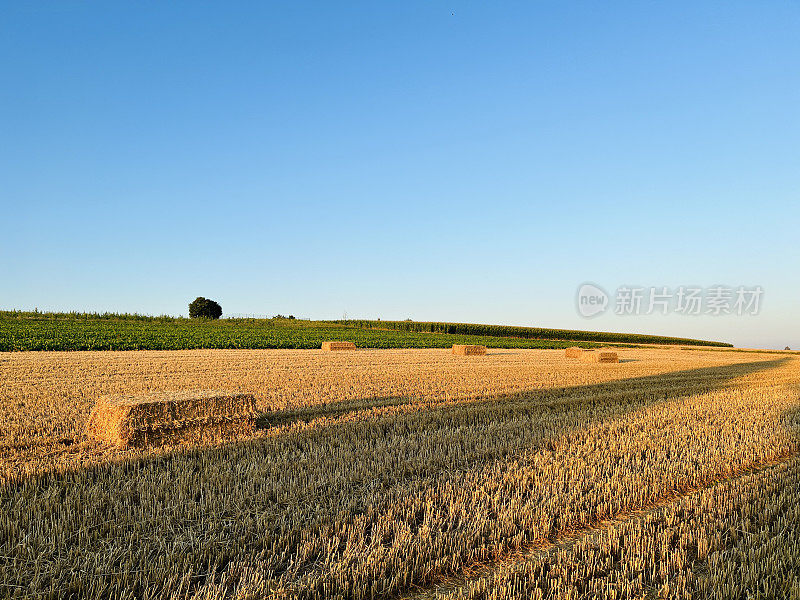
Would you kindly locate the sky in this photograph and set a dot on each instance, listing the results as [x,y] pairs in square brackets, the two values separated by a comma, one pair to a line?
[449,161]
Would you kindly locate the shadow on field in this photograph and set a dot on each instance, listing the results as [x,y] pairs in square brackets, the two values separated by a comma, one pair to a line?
[665,386]
[160,524]
[790,419]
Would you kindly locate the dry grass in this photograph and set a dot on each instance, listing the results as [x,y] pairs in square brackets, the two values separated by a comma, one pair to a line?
[331,346]
[383,470]
[468,350]
[161,418]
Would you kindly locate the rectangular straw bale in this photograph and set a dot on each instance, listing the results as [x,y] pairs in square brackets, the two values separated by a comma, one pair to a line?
[467,350]
[330,346]
[573,352]
[161,418]
[607,356]
[599,356]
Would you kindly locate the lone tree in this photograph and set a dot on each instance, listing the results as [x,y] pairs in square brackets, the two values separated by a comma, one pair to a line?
[203,308]
[787,348]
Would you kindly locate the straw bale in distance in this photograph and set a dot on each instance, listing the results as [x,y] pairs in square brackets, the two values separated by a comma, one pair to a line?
[573,352]
[329,346]
[178,417]
[599,356]
[467,350]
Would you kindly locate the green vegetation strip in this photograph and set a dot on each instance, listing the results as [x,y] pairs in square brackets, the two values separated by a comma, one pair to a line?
[78,331]
[538,333]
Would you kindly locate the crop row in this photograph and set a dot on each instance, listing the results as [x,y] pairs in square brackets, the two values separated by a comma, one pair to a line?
[721,543]
[21,331]
[529,332]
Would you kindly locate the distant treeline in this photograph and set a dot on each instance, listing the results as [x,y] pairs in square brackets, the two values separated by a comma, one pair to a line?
[84,316]
[112,316]
[539,333]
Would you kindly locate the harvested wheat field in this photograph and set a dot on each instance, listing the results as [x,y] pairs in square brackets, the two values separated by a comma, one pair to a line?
[408,473]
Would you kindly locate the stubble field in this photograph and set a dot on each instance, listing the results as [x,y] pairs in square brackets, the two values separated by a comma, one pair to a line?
[386,473]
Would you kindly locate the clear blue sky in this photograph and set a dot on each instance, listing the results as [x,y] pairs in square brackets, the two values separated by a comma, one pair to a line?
[463,161]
